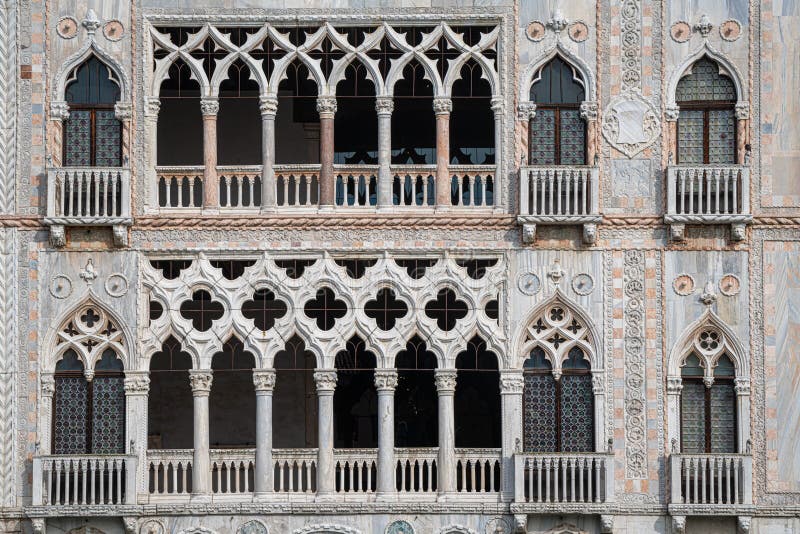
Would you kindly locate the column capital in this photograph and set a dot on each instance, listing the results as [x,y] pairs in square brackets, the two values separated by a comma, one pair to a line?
[742,386]
[268,105]
[674,385]
[200,381]
[264,380]
[512,382]
[589,110]
[209,106]
[672,112]
[445,380]
[742,110]
[384,105]
[326,380]
[442,105]
[152,106]
[598,382]
[123,110]
[326,105]
[59,110]
[48,384]
[137,382]
[498,104]
[385,379]
[526,111]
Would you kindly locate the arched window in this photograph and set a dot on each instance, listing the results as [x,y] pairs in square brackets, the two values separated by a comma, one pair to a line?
[557,131]
[89,416]
[708,408]
[707,121]
[92,133]
[558,410]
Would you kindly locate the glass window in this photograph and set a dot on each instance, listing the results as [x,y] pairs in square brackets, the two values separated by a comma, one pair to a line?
[708,414]
[557,134]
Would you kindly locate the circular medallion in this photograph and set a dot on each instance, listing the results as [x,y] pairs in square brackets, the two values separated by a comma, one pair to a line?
[61,286]
[730,30]
[683,284]
[399,527]
[252,527]
[583,283]
[536,31]
[498,525]
[152,527]
[67,27]
[116,285]
[529,283]
[730,285]
[578,31]
[113,30]
[680,32]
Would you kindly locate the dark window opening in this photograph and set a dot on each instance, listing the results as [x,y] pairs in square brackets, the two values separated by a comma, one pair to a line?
[356,121]
[180,123]
[169,387]
[232,269]
[416,401]
[294,413]
[708,414]
[201,310]
[325,308]
[492,309]
[472,119]
[416,267]
[413,120]
[171,269]
[356,267]
[232,404]
[156,310]
[478,419]
[264,309]
[294,268]
[239,118]
[386,309]
[446,309]
[355,401]
[476,268]
[297,120]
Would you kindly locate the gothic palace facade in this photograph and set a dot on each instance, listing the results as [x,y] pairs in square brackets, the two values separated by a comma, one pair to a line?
[399,266]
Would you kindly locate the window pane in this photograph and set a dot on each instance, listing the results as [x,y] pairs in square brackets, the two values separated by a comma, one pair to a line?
[690,136]
[78,138]
[108,415]
[71,415]
[723,417]
[721,136]
[543,138]
[573,138]
[693,417]
[705,83]
[108,133]
[539,425]
[577,413]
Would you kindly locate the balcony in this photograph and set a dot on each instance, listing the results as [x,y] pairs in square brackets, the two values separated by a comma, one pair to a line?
[711,484]
[563,483]
[88,196]
[78,481]
[559,195]
[180,189]
[708,194]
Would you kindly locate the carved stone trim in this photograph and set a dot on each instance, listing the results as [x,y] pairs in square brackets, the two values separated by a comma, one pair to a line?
[209,106]
[326,105]
[385,379]
[635,407]
[445,380]
[384,105]
[511,382]
[137,382]
[326,380]
[200,382]
[268,105]
[264,379]
[442,106]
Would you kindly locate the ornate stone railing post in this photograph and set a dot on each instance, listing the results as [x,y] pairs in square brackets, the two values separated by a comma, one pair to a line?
[512,384]
[137,387]
[442,106]
[264,381]
[326,468]
[326,107]
[446,466]
[209,108]
[269,108]
[498,108]
[200,381]
[385,384]
[384,105]
[151,109]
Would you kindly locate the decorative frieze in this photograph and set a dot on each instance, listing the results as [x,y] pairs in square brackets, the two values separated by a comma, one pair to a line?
[634,345]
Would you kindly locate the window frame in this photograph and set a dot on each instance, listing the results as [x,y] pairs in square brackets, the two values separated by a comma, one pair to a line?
[706,106]
[92,109]
[707,413]
[557,107]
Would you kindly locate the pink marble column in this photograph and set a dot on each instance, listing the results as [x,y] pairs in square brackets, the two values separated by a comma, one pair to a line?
[442,107]
[326,107]
[209,107]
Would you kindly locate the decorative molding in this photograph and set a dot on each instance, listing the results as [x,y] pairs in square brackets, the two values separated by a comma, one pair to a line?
[456,529]
[529,283]
[116,285]
[631,123]
[583,284]
[730,30]
[442,105]
[631,44]
[60,286]
[268,105]
[113,30]
[326,528]
[264,379]
[8,358]
[136,382]
[209,106]
[512,382]
[67,27]
[8,106]
[326,105]
[635,403]
[680,31]
[384,105]
[683,284]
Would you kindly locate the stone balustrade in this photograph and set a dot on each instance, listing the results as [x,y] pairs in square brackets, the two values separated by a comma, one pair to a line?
[169,472]
[721,480]
[563,478]
[84,480]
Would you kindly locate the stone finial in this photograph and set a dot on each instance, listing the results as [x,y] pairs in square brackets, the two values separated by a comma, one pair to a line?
[558,22]
[442,105]
[91,22]
[89,273]
[709,296]
[556,273]
[703,26]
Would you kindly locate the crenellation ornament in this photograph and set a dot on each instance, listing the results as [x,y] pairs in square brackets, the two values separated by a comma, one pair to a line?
[385,379]
[200,381]
[264,379]
[512,382]
[445,380]
[326,380]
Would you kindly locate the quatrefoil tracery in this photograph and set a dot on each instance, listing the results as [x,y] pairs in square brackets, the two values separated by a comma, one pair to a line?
[89,331]
[557,330]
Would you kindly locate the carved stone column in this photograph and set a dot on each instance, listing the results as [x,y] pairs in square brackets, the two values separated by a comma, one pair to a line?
[384,105]
[385,384]
[137,387]
[264,381]
[123,111]
[526,111]
[589,114]
[742,388]
[512,385]
[326,468]
[269,108]
[210,107]
[671,114]
[326,107]
[151,109]
[442,106]
[674,388]
[46,416]
[742,117]
[498,108]
[446,387]
[599,391]
[200,381]
[59,112]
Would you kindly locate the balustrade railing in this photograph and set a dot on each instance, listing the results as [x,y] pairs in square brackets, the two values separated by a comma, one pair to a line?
[708,192]
[169,471]
[478,470]
[88,195]
[414,185]
[564,478]
[415,470]
[84,480]
[296,186]
[295,470]
[356,186]
[356,470]
[239,186]
[712,479]
[472,185]
[558,193]
[180,187]
[232,471]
